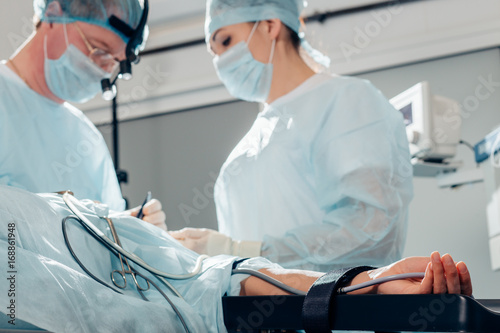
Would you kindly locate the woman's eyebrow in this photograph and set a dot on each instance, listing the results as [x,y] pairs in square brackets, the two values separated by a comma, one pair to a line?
[216,33]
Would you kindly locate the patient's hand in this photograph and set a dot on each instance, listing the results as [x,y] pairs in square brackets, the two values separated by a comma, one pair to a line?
[442,275]
[153,214]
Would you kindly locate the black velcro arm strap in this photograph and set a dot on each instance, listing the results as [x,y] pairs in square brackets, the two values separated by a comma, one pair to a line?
[320,298]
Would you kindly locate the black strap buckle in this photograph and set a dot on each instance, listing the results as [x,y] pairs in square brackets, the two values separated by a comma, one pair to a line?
[320,299]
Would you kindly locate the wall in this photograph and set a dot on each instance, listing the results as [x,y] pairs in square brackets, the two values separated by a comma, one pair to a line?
[177,156]
[15,25]
[453,220]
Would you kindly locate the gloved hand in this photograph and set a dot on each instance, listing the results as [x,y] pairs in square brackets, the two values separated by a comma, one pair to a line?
[153,213]
[212,243]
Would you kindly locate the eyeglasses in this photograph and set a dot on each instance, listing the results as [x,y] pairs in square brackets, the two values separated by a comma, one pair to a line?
[100,57]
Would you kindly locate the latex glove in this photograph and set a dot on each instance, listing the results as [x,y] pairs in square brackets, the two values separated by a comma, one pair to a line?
[153,213]
[212,243]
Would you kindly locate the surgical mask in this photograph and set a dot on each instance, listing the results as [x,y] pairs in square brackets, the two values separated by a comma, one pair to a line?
[244,77]
[73,77]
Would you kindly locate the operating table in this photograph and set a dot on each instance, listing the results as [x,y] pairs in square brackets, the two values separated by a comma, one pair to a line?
[379,313]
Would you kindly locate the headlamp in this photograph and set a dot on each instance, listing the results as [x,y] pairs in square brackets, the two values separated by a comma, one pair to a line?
[136,39]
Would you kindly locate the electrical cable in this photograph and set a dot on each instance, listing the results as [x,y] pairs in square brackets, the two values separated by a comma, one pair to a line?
[381,280]
[99,235]
[86,270]
[269,279]
[420,152]
[471,147]
[69,200]
[73,254]
[170,302]
[495,162]
[465,143]
[344,290]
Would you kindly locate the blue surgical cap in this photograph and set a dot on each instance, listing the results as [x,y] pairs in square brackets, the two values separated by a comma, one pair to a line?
[221,13]
[95,12]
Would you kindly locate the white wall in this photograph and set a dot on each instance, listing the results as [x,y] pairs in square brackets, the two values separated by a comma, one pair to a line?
[15,25]
[453,220]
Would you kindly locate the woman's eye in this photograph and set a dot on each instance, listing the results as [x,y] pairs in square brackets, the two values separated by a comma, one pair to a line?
[227,41]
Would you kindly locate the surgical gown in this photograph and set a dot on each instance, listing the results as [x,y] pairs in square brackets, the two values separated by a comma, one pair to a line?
[48,147]
[51,291]
[323,178]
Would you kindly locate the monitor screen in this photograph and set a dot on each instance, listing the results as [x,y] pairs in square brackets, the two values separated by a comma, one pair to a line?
[407,112]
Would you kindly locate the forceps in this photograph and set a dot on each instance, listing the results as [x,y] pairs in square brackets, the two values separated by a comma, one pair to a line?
[122,273]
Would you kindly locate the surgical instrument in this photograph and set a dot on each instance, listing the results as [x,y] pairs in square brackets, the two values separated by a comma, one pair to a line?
[122,273]
[140,214]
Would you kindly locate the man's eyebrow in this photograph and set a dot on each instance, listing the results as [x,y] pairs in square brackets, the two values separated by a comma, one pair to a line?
[101,44]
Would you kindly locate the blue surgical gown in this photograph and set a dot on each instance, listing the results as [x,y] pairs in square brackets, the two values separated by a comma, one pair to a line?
[49,147]
[54,293]
[323,178]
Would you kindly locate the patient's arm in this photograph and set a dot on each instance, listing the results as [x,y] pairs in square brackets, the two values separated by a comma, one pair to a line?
[442,275]
[298,279]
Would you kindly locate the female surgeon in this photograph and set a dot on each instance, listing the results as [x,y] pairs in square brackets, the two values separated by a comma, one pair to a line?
[323,177]
[47,144]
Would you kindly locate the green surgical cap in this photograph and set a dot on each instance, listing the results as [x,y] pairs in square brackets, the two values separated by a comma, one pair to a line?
[94,12]
[221,13]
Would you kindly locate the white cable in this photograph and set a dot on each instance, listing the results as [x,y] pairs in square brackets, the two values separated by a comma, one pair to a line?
[496,164]
[292,290]
[269,279]
[421,152]
[68,199]
[382,280]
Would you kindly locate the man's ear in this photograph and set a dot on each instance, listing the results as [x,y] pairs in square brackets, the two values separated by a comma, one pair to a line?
[54,9]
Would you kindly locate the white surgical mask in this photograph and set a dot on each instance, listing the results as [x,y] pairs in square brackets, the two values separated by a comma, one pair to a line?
[244,77]
[73,77]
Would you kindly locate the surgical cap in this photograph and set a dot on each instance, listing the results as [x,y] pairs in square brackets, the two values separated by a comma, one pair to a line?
[95,12]
[221,13]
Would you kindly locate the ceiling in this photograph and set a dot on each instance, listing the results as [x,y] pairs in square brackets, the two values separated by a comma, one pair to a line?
[163,11]
[16,26]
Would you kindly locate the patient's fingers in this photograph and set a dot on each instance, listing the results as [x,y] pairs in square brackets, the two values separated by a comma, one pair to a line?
[451,273]
[426,286]
[465,280]
[438,270]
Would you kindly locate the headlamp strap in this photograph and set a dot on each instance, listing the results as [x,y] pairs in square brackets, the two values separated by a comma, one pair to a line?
[121,26]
